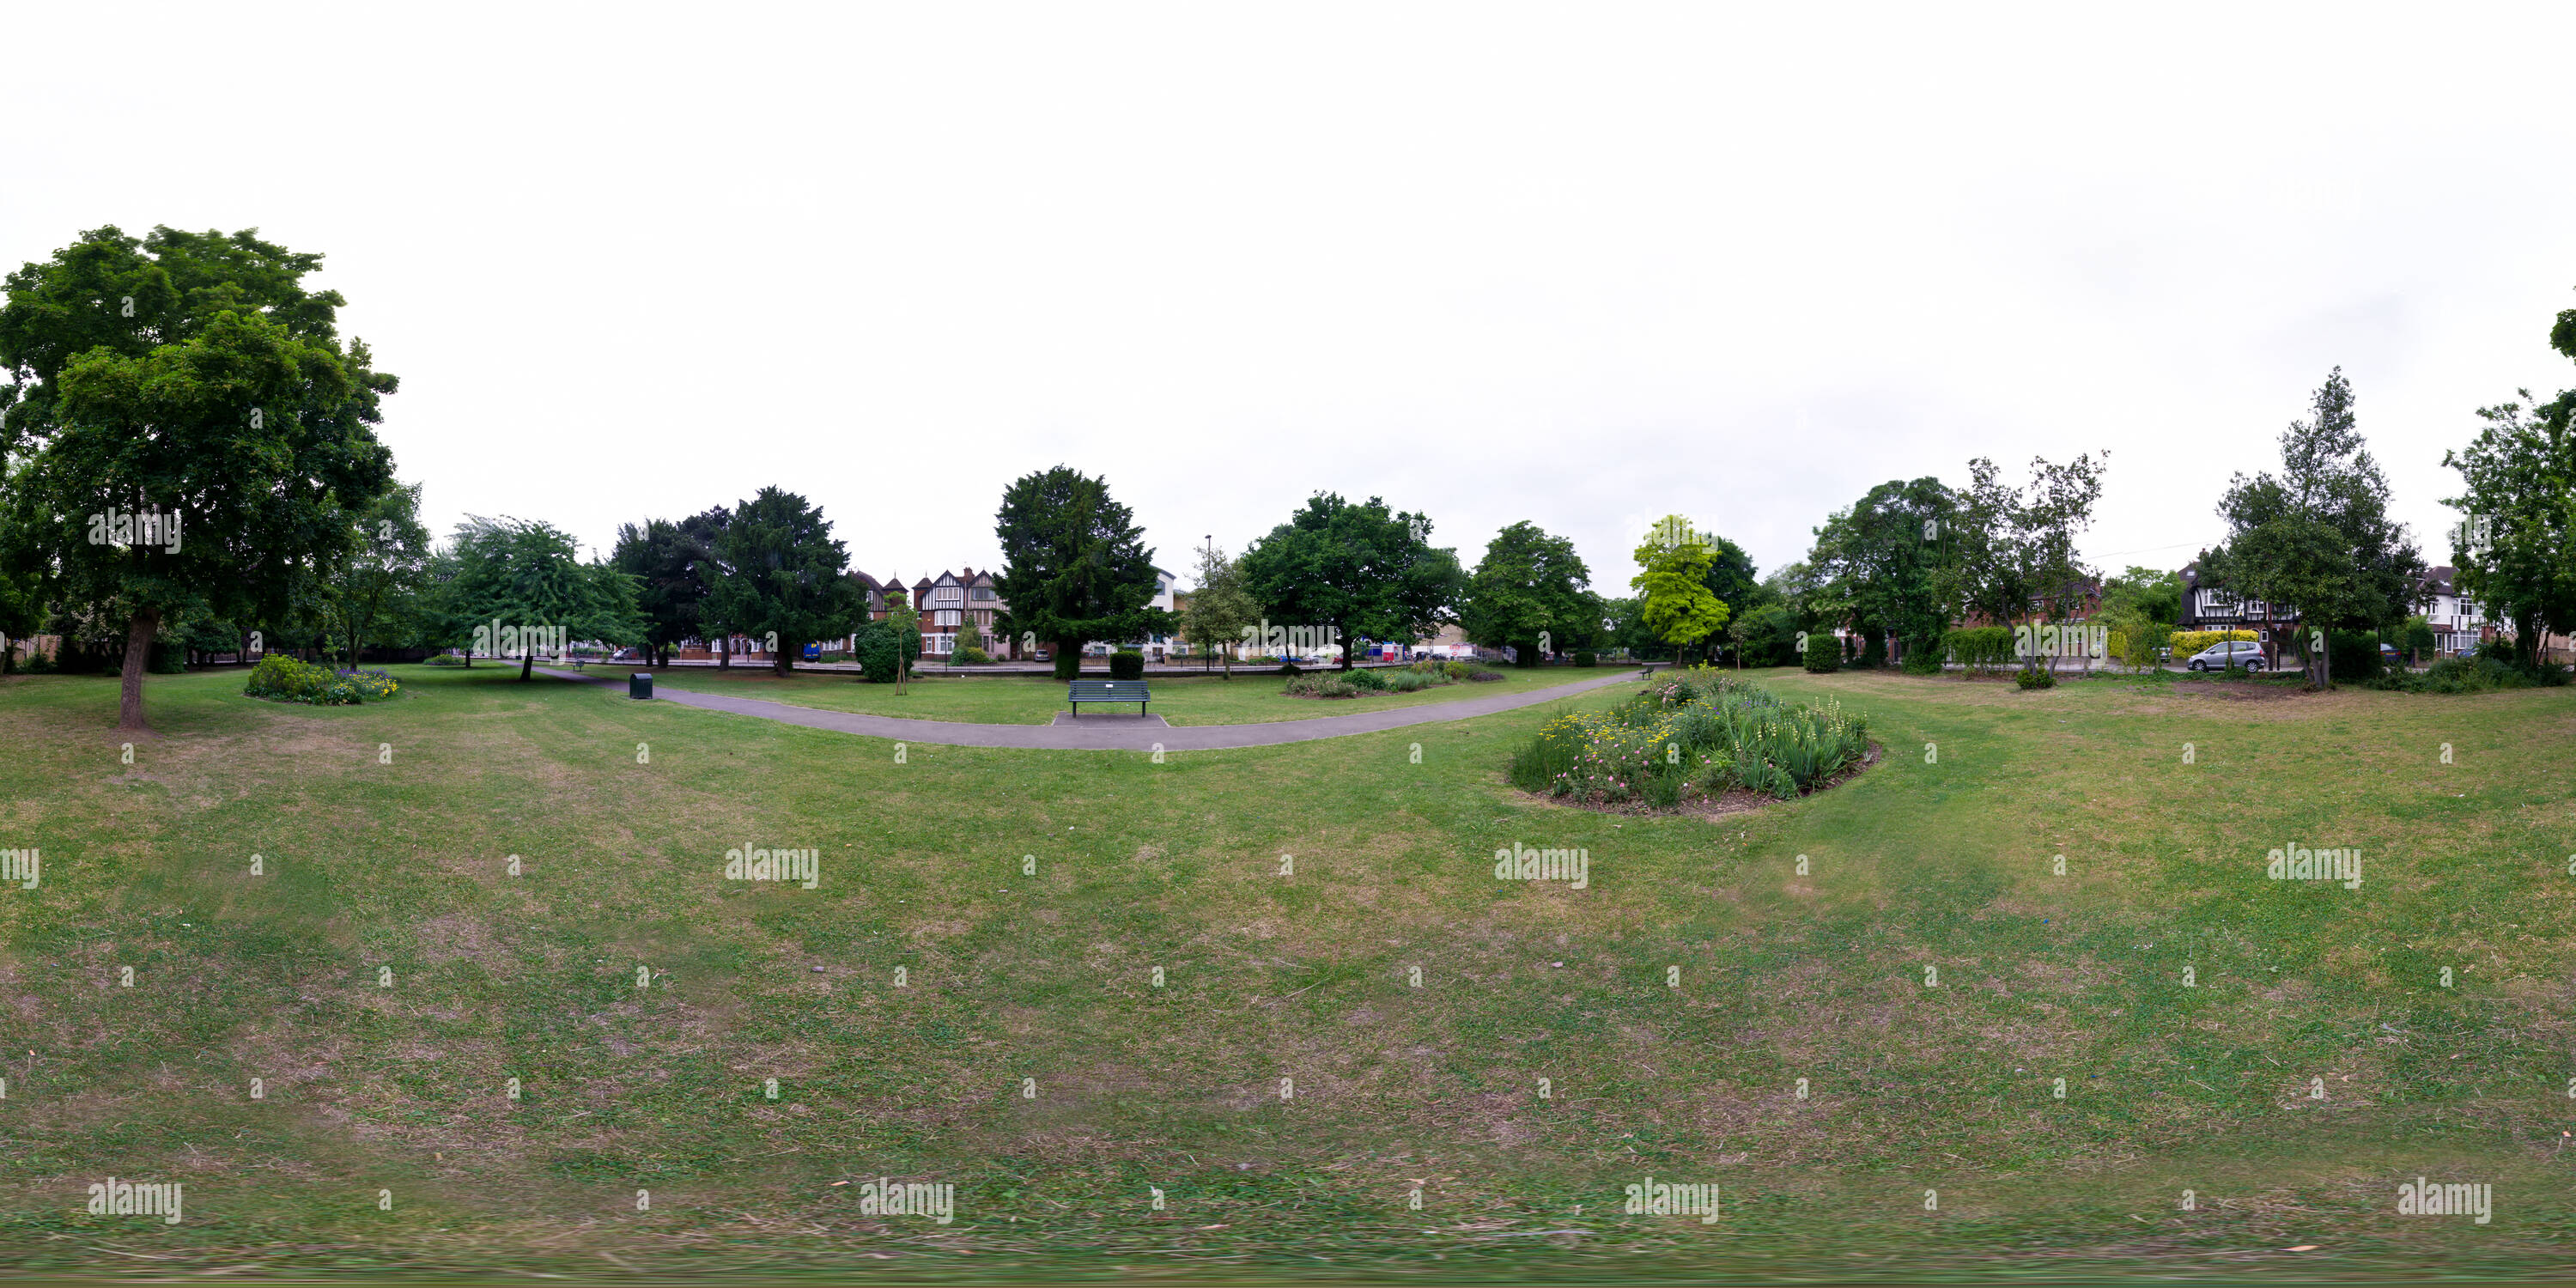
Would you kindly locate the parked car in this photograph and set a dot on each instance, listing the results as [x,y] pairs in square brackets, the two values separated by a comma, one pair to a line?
[2227,653]
[2388,655]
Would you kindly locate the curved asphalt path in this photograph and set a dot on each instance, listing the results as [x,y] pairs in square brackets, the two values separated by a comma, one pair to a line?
[1112,733]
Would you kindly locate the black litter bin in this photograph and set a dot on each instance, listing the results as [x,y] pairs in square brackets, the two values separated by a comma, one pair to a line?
[639,685]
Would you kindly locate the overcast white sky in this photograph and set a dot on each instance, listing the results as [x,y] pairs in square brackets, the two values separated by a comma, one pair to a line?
[1580,265]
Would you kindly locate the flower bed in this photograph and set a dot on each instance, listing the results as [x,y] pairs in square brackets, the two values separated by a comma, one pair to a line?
[284,679]
[1693,734]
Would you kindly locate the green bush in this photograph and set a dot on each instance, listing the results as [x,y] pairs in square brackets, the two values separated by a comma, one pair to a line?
[2471,675]
[1698,731]
[880,653]
[1364,679]
[1068,664]
[443,659]
[166,659]
[1824,653]
[1126,664]
[967,656]
[1408,681]
[1586,657]
[1318,684]
[1455,670]
[40,664]
[1480,675]
[2353,657]
[2036,677]
[1923,661]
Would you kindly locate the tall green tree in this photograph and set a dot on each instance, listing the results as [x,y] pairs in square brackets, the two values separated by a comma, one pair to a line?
[1365,571]
[2516,550]
[1883,565]
[2318,536]
[667,563]
[209,432]
[1530,583]
[1672,579]
[519,574]
[2013,553]
[185,375]
[698,537]
[784,576]
[1219,609]
[1075,566]
[375,587]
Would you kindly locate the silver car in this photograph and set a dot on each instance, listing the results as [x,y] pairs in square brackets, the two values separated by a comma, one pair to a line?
[2246,654]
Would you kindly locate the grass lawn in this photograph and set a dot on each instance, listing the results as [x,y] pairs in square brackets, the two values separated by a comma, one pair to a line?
[1213,700]
[1027,1057]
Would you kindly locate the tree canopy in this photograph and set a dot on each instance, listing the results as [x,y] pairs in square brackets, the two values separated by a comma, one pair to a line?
[522,574]
[2317,536]
[1075,566]
[1530,583]
[1672,578]
[1219,609]
[783,574]
[190,384]
[1359,568]
[1883,566]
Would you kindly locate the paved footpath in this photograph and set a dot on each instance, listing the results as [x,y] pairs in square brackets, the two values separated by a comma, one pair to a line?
[1115,733]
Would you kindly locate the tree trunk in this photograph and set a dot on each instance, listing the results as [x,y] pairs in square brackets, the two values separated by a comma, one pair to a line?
[1344,639]
[527,662]
[782,661]
[724,652]
[138,646]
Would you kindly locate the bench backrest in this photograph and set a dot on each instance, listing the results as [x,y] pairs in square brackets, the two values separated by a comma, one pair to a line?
[1107,691]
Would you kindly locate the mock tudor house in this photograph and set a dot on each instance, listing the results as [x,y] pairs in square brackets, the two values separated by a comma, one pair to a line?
[2213,608]
[954,601]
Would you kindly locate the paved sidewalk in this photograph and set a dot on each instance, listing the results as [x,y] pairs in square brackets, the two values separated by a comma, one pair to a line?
[1107,736]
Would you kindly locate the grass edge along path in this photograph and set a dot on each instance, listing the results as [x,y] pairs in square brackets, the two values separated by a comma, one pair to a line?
[1142,735]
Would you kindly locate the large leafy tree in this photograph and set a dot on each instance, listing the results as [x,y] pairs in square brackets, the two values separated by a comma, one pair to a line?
[522,573]
[187,374]
[2517,551]
[1529,583]
[210,430]
[1365,571]
[783,574]
[1219,609]
[670,563]
[375,587]
[1882,563]
[2317,536]
[2012,548]
[1672,579]
[698,535]
[1075,566]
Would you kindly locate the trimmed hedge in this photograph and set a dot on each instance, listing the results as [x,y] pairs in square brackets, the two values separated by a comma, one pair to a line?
[1979,647]
[1824,653]
[1126,664]
[2186,643]
[1586,657]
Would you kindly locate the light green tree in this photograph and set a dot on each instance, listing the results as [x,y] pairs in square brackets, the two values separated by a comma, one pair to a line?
[1673,579]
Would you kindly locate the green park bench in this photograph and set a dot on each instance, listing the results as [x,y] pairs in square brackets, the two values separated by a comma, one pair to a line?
[1082,691]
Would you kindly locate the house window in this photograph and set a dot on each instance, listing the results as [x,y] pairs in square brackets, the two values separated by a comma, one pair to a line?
[946,595]
[983,594]
[947,617]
